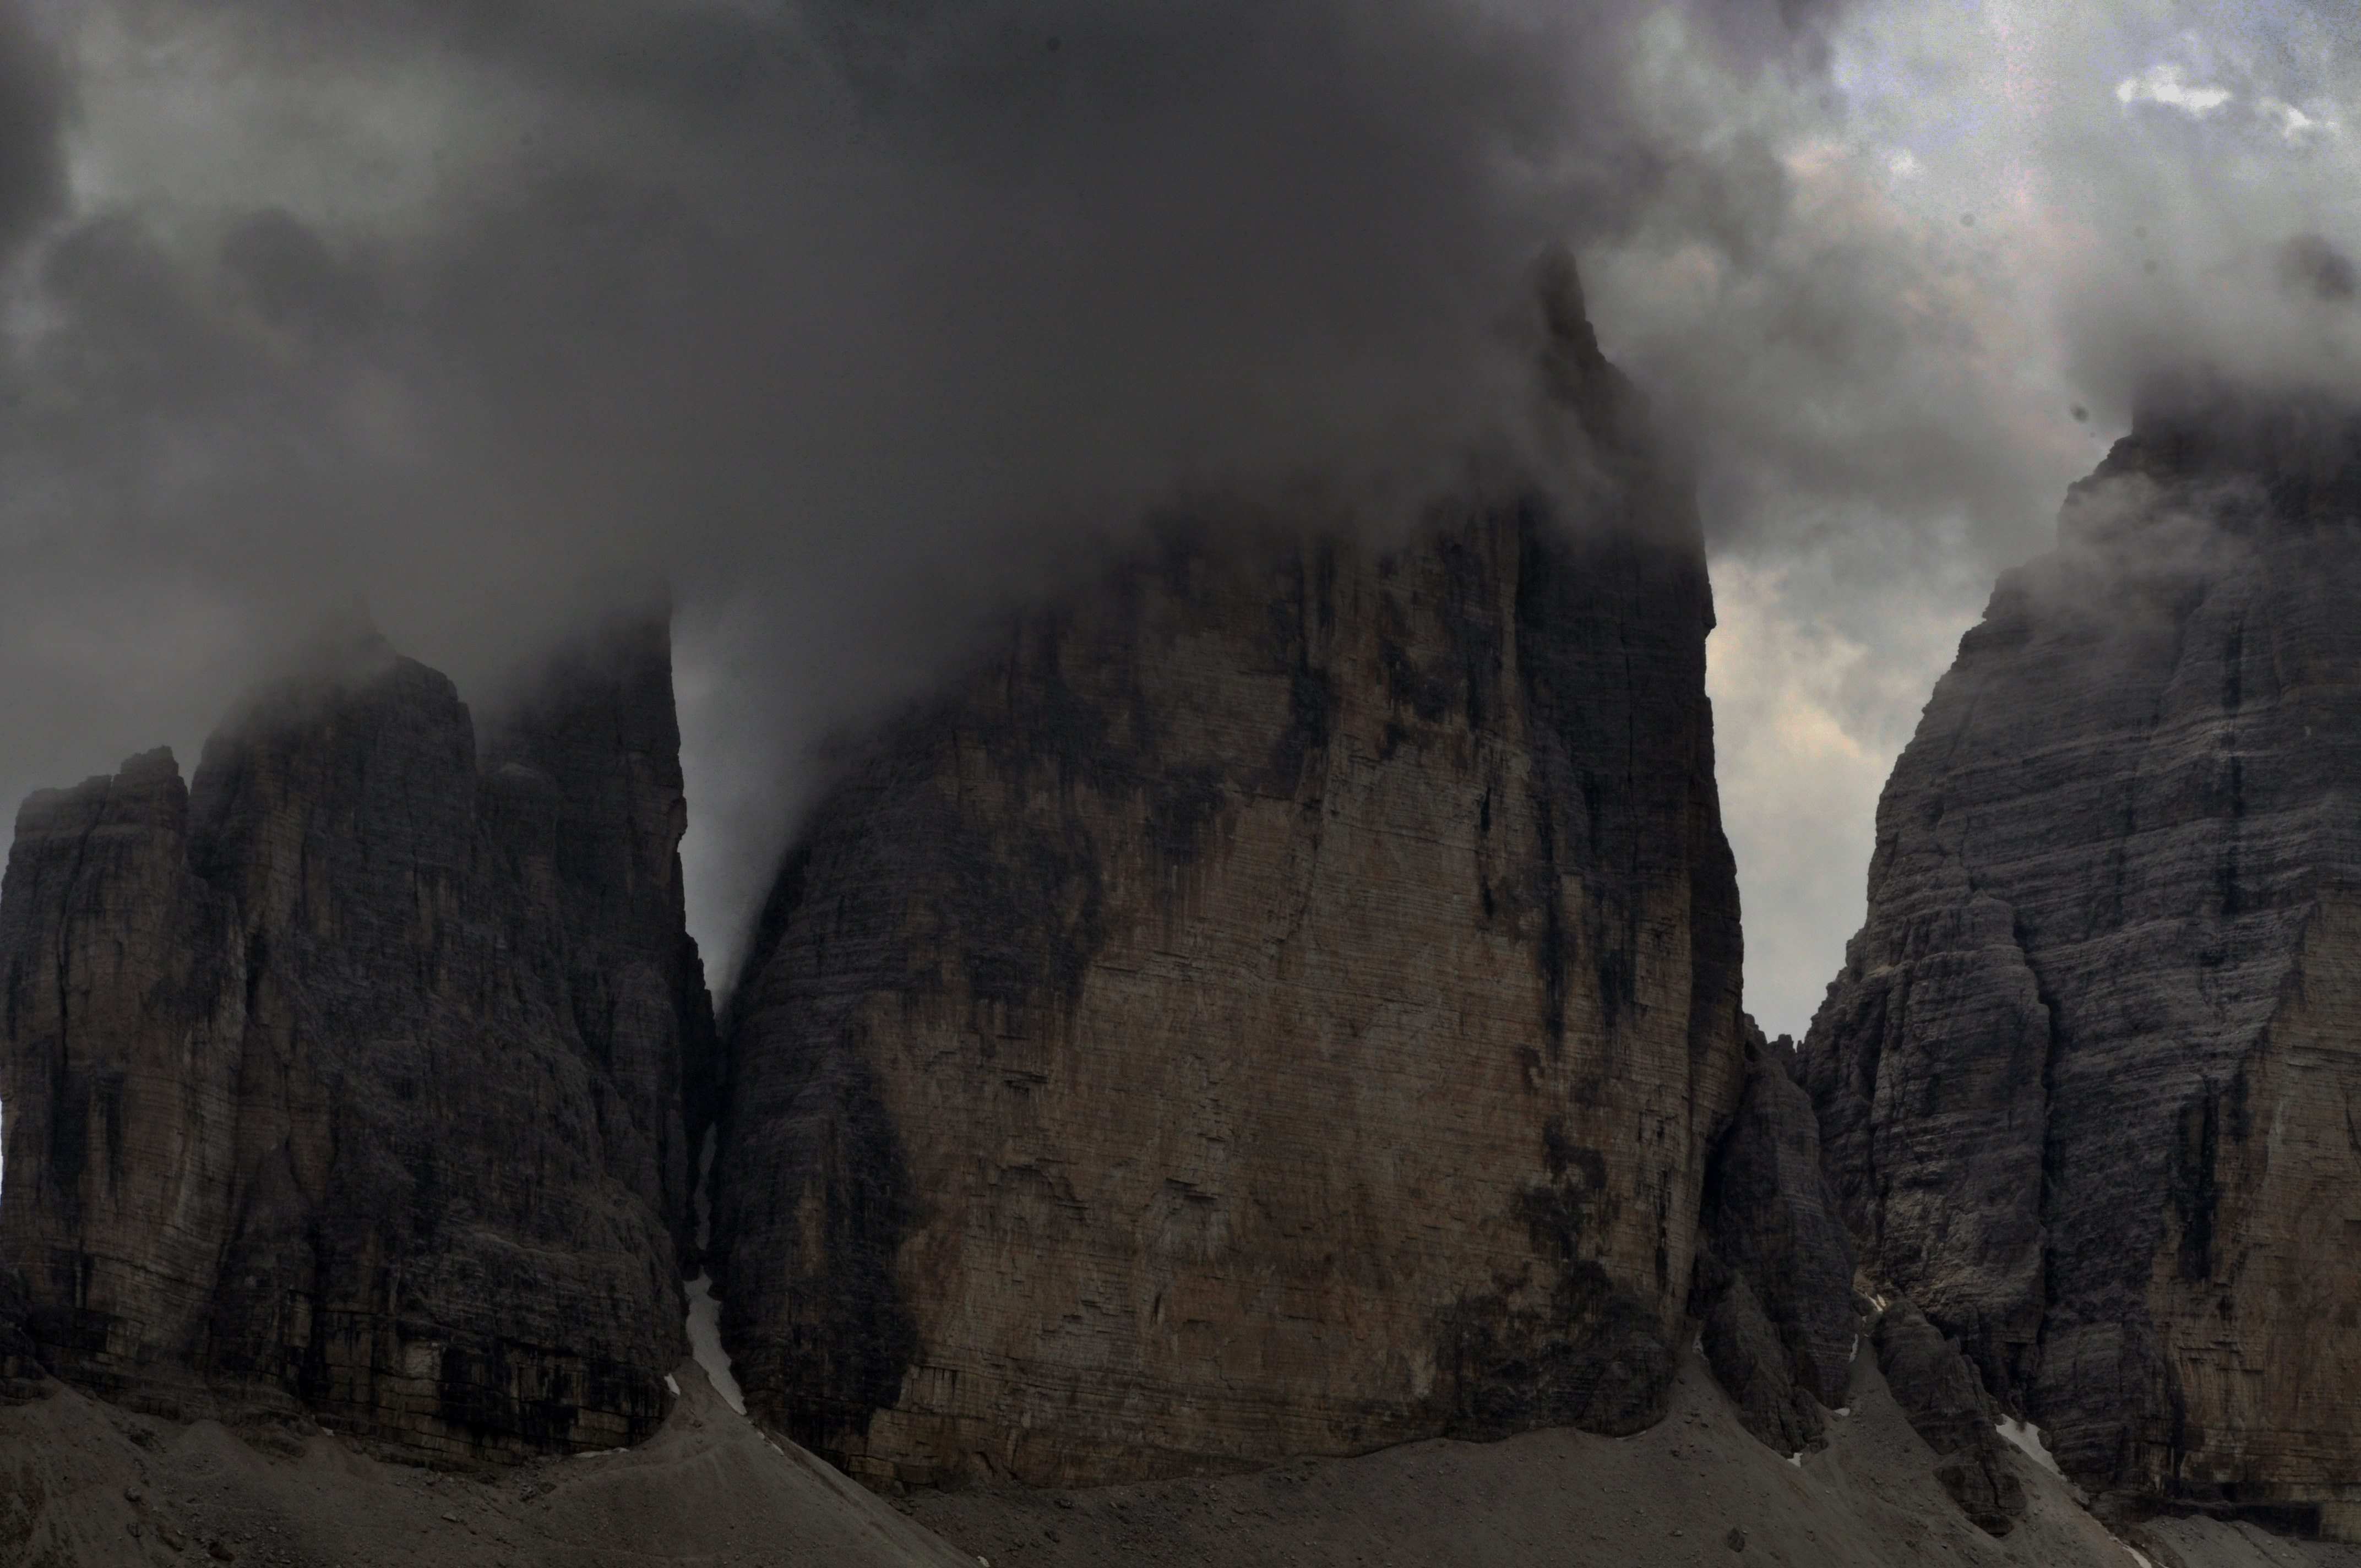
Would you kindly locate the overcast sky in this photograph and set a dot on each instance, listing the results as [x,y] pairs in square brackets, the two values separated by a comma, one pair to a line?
[862,321]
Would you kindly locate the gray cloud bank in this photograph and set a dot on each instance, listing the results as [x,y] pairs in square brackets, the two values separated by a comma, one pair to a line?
[2014,217]
[857,322]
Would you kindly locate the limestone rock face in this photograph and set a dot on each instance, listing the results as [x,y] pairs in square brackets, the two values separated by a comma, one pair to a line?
[1280,1005]
[1742,1346]
[2088,1080]
[1934,1385]
[1943,1398]
[1774,1266]
[348,1080]
[20,1366]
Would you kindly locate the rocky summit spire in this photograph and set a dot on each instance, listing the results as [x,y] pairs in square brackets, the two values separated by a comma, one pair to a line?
[2087,1078]
[1279,1004]
[347,1080]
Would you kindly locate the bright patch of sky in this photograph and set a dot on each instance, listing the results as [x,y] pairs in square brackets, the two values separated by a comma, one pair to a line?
[2168,84]
[2008,212]
[2295,125]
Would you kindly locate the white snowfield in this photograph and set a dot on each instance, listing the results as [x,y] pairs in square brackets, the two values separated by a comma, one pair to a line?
[2028,1439]
[703,1307]
[704,1341]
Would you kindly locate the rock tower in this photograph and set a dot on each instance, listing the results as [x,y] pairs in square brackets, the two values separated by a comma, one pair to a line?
[1282,1004]
[346,1080]
[2090,1081]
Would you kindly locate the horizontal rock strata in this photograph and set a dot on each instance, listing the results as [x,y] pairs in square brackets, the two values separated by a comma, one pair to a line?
[347,1080]
[2090,1077]
[1281,1005]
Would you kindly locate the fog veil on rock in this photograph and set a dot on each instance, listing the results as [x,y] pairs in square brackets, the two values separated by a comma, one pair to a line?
[1281,1005]
[347,1079]
[2088,1078]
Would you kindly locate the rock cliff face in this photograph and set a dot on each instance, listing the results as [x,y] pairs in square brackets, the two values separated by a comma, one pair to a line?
[20,1367]
[1774,1272]
[2091,1078]
[1944,1399]
[348,1080]
[1281,1005]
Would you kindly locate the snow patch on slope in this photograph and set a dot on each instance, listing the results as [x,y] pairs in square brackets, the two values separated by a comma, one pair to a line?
[703,1307]
[2029,1438]
[704,1341]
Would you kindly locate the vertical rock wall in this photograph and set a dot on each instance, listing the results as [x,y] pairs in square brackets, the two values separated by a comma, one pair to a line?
[1774,1271]
[348,1080]
[1280,1005]
[2090,1079]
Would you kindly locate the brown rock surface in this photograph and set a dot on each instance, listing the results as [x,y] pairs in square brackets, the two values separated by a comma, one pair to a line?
[1281,1005]
[2088,1079]
[348,1081]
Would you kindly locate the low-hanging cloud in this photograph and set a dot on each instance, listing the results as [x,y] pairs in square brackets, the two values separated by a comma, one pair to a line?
[33,94]
[2010,222]
[857,322]
[854,323]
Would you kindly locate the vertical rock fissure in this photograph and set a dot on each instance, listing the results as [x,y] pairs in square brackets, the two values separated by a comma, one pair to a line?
[2017,1385]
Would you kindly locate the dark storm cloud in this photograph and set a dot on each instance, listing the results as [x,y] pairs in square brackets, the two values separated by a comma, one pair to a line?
[854,321]
[2212,193]
[857,322]
[2310,263]
[2007,221]
[32,108]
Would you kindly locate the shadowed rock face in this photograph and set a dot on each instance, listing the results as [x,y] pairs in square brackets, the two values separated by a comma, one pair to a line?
[2087,1080]
[1774,1276]
[1280,1005]
[20,1367]
[1945,1402]
[349,1079]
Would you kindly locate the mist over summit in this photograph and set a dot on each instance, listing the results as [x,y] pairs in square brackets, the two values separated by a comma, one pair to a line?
[860,324]
[1197,619]
[864,324]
